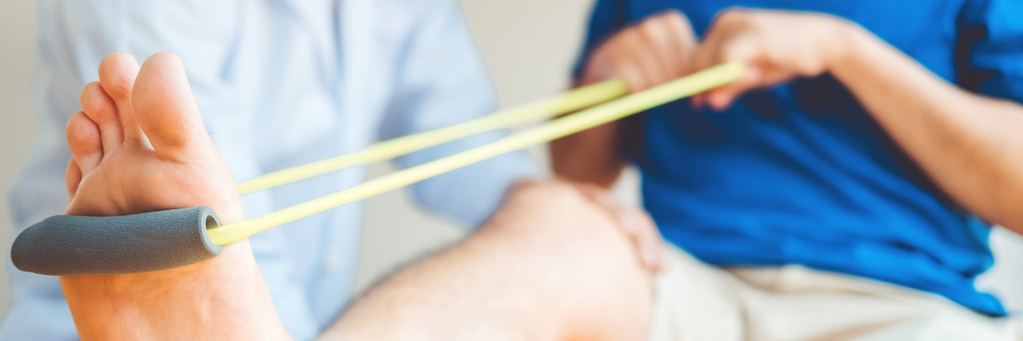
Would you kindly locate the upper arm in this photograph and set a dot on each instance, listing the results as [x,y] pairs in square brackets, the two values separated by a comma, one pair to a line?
[441,78]
[441,81]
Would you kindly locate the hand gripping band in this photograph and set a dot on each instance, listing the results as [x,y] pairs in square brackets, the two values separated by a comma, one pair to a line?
[73,245]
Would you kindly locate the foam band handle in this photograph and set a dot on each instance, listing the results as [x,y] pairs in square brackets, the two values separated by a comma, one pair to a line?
[76,245]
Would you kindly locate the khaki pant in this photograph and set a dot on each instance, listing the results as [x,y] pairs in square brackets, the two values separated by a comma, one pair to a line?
[697,301]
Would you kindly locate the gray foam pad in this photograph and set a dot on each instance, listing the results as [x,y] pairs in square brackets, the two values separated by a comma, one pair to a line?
[75,245]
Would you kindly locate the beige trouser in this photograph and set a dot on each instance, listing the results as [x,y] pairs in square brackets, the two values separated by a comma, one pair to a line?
[696,301]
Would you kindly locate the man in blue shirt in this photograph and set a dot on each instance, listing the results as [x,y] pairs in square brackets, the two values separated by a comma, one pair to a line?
[867,138]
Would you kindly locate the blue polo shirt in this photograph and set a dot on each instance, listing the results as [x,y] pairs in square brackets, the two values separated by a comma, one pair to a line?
[802,174]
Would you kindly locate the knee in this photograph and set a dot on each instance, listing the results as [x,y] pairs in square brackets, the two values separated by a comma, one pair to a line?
[549,208]
[567,228]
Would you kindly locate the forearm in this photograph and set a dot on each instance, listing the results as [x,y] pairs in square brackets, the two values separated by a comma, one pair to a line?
[591,156]
[223,298]
[971,146]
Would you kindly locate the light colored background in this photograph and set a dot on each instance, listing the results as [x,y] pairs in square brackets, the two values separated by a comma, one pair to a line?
[529,46]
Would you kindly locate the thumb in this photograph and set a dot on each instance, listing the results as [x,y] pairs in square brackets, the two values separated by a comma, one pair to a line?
[721,98]
[643,232]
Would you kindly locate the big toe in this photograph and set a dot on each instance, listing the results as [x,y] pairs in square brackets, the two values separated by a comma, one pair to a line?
[166,109]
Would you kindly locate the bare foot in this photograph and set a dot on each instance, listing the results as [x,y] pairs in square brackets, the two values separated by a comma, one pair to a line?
[140,146]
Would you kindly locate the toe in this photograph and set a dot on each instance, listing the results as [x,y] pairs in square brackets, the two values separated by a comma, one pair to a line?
[72,177]
[117,74]
[166,109]
[101,109]
[83,137]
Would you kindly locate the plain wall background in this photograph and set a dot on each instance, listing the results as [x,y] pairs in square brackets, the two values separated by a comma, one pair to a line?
[529,46]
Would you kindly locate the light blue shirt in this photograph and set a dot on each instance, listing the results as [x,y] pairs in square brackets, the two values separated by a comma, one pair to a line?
[279,83]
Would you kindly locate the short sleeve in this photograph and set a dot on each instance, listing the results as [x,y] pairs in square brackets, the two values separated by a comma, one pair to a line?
[443,81]
[608,17]
[989,55]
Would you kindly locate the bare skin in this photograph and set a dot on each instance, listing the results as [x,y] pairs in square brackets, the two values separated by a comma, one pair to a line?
[140,146]
[652,52]
[969,144]
[557,262]
[551,265]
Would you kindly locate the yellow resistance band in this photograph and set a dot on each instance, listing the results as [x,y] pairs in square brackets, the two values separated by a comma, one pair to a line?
[681,88]
[564,103]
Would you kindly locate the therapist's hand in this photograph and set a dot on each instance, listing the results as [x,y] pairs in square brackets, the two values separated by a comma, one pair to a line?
[635,223]
[776,45]
[653,51]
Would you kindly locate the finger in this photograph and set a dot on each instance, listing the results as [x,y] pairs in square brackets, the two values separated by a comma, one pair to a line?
[643,57]
[725,41]
[599,66]
[632,73]
[673,36]
[649,239]
[735,48]
[660,45]
[644,237]
[721,98]
[612,60]
[635,223]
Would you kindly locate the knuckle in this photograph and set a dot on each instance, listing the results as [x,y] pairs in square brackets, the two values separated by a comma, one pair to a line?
[735,17]
[674,15]
[649,27]
[732,52]
[729,15]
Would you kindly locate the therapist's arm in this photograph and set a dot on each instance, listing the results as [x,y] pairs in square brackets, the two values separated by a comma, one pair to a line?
[442,81]
[970,145]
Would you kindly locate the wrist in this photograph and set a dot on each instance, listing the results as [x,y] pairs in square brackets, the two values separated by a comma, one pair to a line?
[845,41]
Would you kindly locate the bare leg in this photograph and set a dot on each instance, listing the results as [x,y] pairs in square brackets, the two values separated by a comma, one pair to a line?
[551,265]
